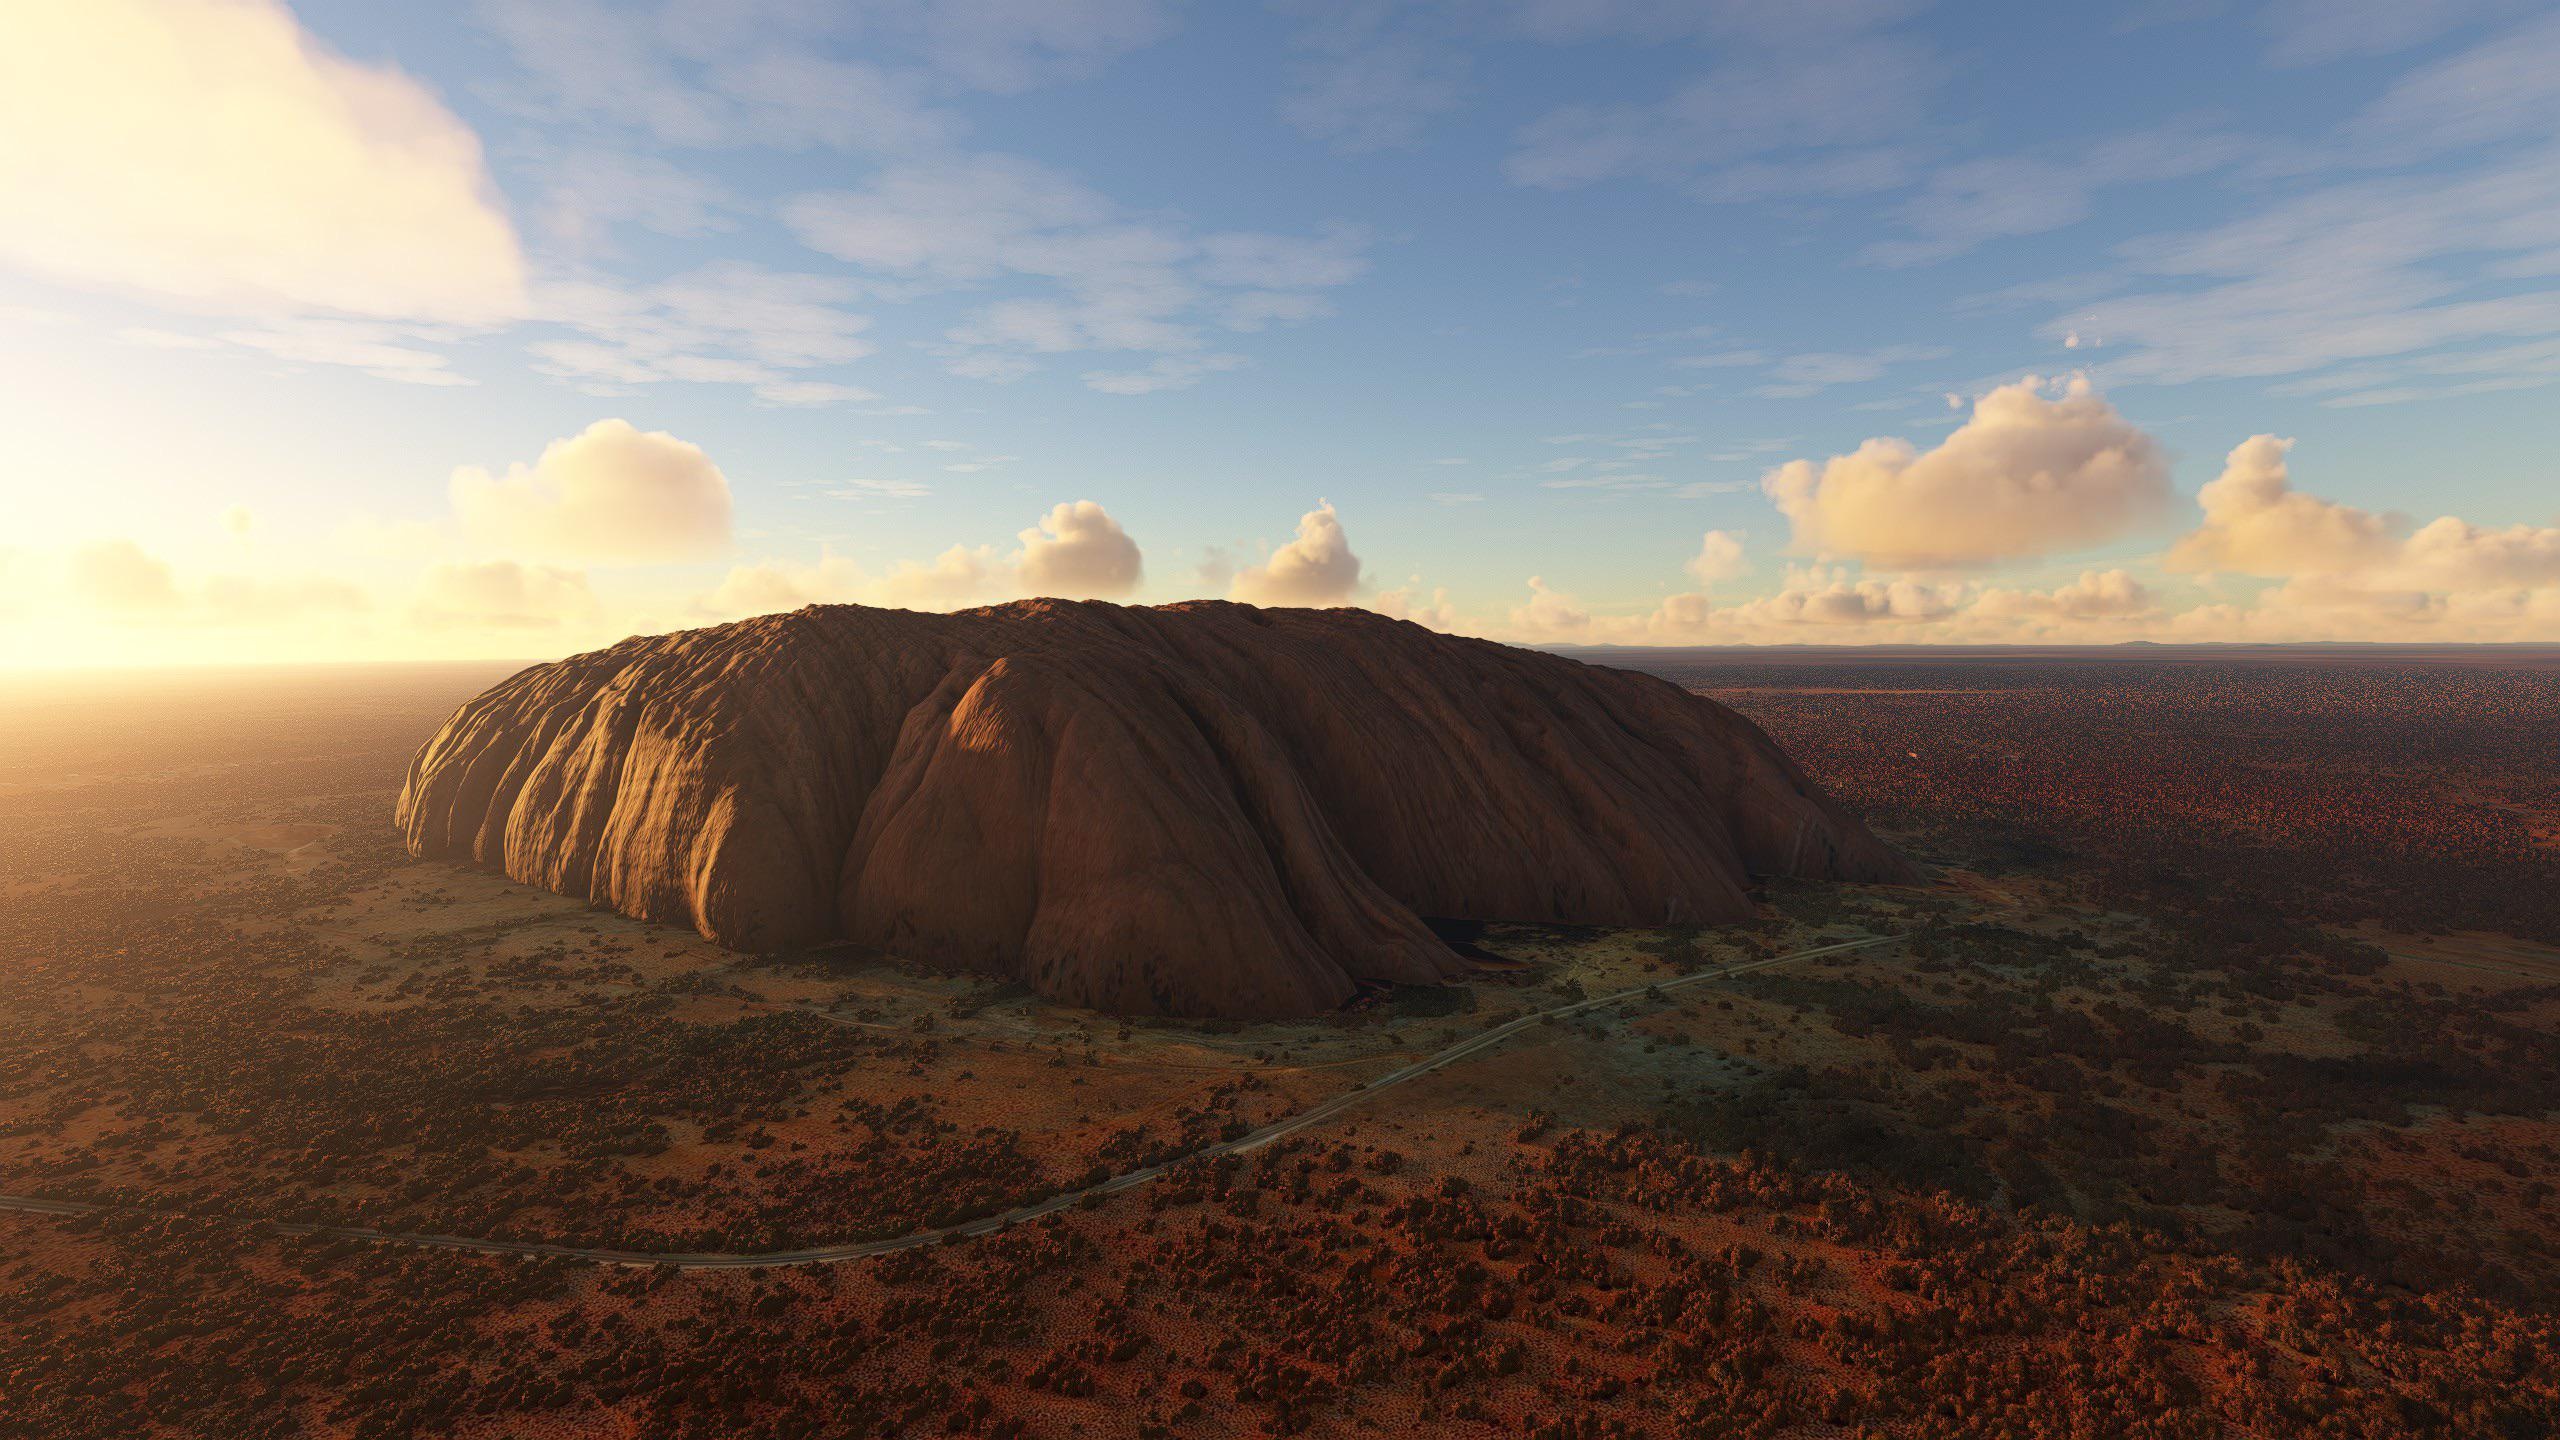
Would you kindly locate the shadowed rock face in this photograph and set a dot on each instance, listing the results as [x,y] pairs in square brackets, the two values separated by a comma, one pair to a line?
[1197,809]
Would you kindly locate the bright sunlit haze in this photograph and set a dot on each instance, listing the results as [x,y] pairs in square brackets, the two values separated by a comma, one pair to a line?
[346,331]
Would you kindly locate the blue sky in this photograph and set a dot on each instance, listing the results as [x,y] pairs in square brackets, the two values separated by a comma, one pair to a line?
[1523,288]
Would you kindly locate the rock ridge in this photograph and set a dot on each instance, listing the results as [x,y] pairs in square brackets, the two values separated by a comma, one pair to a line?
[1202,809]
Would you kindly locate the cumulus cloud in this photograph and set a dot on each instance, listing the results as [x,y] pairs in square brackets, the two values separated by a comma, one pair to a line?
[1827,596]
[958,576]
[2096,595]
[1316,568]
[503,595]
[2344,573]
[2348,571]
[2029,474]
[610,494]
[1679,617]
[213,153]
[1078,552]
[1550,613]
[1834,605]
[1554,617]
[769,586]
[1719,558]
[122,579]
[2454,554]
[1407,602]
[2256,523]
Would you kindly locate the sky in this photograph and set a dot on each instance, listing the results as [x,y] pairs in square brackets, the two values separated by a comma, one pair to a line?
[508,328]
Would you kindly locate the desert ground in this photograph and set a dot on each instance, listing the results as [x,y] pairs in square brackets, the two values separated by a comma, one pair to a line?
[2207,1089]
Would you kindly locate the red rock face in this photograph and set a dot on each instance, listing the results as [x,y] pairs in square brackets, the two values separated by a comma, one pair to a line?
[1195,809]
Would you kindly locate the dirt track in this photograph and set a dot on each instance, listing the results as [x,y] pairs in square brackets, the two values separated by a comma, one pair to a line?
[836,1254]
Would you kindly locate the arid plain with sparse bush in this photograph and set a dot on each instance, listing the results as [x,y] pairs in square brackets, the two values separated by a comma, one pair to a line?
[2269,1152]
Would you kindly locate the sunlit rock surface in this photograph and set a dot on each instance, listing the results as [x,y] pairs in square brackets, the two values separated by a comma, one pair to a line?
[1195,809]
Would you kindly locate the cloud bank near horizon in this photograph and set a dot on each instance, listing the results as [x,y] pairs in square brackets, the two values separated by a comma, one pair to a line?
[607,530]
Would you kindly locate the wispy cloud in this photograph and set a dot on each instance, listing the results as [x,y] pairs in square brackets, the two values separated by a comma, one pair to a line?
[1087,274]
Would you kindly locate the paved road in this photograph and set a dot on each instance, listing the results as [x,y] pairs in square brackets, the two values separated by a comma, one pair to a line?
[832,1254]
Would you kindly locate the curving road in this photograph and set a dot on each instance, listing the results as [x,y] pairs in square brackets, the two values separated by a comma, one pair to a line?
[835,1254]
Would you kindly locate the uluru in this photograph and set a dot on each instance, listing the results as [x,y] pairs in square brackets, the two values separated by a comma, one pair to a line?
[1202,809]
